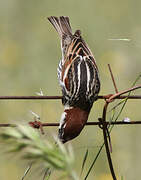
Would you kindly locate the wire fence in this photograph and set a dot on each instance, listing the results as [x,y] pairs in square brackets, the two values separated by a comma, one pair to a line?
[102,123]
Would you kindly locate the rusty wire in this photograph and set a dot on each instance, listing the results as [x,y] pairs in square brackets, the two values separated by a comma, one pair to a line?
[59,97]
[87,124]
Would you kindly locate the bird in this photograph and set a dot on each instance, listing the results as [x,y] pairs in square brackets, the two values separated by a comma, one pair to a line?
[78,77]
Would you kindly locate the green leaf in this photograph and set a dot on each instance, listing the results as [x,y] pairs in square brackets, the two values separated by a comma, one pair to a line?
[94,161]
[36,148]
[26,171]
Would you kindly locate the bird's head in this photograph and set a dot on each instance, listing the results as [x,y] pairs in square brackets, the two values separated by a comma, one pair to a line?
[71,123]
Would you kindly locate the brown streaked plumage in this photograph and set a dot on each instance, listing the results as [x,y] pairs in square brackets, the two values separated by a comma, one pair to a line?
[78,77]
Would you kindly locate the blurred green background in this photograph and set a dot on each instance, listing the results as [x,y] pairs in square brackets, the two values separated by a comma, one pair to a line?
[29,56]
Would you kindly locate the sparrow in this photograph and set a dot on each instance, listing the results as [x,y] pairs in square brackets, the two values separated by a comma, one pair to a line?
[78,77]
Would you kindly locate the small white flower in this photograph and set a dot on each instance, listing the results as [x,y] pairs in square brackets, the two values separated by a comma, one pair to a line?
[126,119]
[36,116]
[40,93]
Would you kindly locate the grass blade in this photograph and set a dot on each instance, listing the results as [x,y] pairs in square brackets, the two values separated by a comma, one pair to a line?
[39,150]
[94,162]
[47,174]
[26,171]
[121,177]
[84,161]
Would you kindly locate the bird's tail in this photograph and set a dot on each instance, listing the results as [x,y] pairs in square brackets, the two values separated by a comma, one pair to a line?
[61,24]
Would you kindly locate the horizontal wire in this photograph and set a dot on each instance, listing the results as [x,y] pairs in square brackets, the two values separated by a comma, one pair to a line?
[59,97]
[87,124]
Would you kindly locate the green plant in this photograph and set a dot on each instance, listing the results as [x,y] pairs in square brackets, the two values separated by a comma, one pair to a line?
[33,147]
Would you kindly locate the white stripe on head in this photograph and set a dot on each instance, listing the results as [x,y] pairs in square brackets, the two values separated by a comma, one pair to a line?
[62,120]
